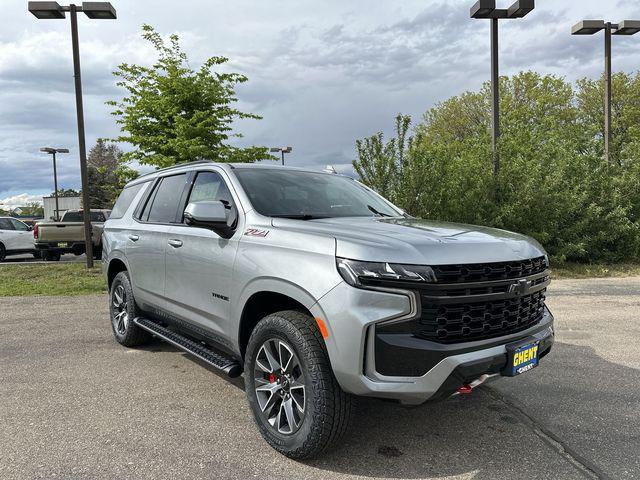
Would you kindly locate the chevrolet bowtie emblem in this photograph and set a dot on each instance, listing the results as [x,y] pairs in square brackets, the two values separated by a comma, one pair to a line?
[522,287]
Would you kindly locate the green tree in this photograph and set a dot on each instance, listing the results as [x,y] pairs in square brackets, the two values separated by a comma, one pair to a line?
[553,184]
[173,113]
[67,192]
[107,174]
[33,209]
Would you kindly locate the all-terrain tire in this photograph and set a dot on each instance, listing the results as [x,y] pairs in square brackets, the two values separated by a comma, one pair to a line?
[328,409]
[123,304]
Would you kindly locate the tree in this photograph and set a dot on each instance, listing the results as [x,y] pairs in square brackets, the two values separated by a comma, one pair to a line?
[107,174]
[68,192]
[176,114]
[33,209]
[553,184]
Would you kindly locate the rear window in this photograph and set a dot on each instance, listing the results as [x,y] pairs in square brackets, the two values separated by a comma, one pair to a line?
[79,217]
[124,200]
[163,205]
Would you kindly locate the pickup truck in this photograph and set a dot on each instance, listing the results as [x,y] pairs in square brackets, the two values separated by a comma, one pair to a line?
[53,239]
[320,291]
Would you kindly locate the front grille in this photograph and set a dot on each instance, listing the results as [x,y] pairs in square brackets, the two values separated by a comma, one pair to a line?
[468,321]
[484,272]
[477,301]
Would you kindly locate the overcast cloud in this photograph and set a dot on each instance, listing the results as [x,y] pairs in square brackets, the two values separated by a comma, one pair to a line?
[320,73]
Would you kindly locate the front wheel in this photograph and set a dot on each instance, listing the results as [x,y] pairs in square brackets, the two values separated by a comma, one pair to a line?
[297,404]
[3,252]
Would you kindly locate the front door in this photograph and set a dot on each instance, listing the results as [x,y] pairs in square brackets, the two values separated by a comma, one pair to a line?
[199,266]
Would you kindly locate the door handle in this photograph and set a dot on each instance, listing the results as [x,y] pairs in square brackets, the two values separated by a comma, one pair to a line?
[175,243]
[134,238]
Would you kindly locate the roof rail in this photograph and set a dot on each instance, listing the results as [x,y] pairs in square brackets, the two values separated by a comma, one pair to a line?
[186,164]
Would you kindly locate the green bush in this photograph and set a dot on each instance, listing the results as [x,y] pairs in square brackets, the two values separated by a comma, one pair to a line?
[553,182]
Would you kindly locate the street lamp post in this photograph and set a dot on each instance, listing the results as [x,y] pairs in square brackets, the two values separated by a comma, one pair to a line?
[93,10]
[52,152]
[591,27]
[282,151]
[487,9]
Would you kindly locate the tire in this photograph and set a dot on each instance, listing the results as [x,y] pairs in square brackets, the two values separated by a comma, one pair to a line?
[122,311]
[37,255]
[327,409]
[3,253]
[51,256]
[97,253]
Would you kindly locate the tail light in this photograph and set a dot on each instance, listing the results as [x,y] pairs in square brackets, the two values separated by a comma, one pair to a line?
[35,231]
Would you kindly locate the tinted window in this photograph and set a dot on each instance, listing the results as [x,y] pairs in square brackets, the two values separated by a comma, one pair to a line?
[17,225]
[291,193]
[79,217]
[209,186]
[166,199]
[5,224]
[125,199]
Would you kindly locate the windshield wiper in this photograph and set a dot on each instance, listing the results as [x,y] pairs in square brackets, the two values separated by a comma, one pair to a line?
[376,212]
[301,216]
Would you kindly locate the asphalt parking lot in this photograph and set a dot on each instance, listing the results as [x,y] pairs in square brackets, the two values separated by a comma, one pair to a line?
[75,404]
[29,259]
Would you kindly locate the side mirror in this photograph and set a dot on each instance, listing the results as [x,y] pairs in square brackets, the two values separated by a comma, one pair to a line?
[29,228]
[214,215]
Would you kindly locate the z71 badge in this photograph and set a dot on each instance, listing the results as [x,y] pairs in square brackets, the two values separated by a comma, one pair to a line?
[256,232]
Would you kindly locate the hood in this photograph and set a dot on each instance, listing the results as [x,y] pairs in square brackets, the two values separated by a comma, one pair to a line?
[415,241]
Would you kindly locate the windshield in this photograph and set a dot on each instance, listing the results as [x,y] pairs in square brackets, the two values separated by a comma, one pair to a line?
[307,195]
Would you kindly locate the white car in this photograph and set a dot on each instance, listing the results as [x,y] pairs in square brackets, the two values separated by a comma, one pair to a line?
[16,238]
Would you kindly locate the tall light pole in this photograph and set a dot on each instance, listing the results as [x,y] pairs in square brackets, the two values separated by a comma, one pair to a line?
[591,27]
[93,10]
[487,9]
[282,151]
[52,152]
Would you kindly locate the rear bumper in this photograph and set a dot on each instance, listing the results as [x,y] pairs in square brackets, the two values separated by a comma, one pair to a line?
[403,367]
[72,247]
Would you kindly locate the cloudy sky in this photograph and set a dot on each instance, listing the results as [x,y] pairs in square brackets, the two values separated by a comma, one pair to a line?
[321,73]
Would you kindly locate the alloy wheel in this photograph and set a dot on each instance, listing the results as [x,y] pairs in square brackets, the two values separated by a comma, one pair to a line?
[280,386]
[120,316]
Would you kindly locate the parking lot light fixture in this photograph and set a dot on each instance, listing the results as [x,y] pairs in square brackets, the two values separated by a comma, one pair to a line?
[52,151]
[486,9]
[282,151]
[93,10]
[591,27]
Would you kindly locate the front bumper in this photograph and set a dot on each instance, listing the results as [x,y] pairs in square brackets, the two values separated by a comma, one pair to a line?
[403,367]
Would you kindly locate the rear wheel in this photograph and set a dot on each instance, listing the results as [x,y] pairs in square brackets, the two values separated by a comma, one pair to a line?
[51,256]
[297,404]
[123,309]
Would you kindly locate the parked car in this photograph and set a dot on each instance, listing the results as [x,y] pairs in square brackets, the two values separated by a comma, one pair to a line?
[53,239]
[320,290]
[15,238]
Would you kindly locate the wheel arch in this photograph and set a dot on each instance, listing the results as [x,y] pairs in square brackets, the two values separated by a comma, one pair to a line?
[259,305]
[116,266]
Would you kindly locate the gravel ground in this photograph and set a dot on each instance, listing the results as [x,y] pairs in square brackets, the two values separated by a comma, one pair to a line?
[75,404]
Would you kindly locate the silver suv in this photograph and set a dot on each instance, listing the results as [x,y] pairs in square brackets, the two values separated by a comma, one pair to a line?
[319,290]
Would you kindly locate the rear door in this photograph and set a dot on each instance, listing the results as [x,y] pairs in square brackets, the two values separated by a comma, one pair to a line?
[23,236]
[147,240]
[200,262]
[8,234]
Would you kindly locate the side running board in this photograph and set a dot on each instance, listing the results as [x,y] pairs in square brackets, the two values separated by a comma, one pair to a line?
[216,359]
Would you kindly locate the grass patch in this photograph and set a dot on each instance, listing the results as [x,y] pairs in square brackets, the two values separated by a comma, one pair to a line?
[50,279]
[594,270]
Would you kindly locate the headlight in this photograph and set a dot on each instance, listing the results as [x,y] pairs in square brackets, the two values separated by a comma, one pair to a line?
[353,271]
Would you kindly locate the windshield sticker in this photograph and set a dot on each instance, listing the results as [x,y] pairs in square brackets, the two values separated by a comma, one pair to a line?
[256,232]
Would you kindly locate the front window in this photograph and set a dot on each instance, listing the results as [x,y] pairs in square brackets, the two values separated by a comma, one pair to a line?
[307,195]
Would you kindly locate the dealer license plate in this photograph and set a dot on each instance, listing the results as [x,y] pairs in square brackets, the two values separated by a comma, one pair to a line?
[63,244]
[521,358]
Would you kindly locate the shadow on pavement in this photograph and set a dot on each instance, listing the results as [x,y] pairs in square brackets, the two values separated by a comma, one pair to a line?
[596,414]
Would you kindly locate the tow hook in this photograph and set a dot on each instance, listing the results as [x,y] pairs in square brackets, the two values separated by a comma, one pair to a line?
[468,388]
